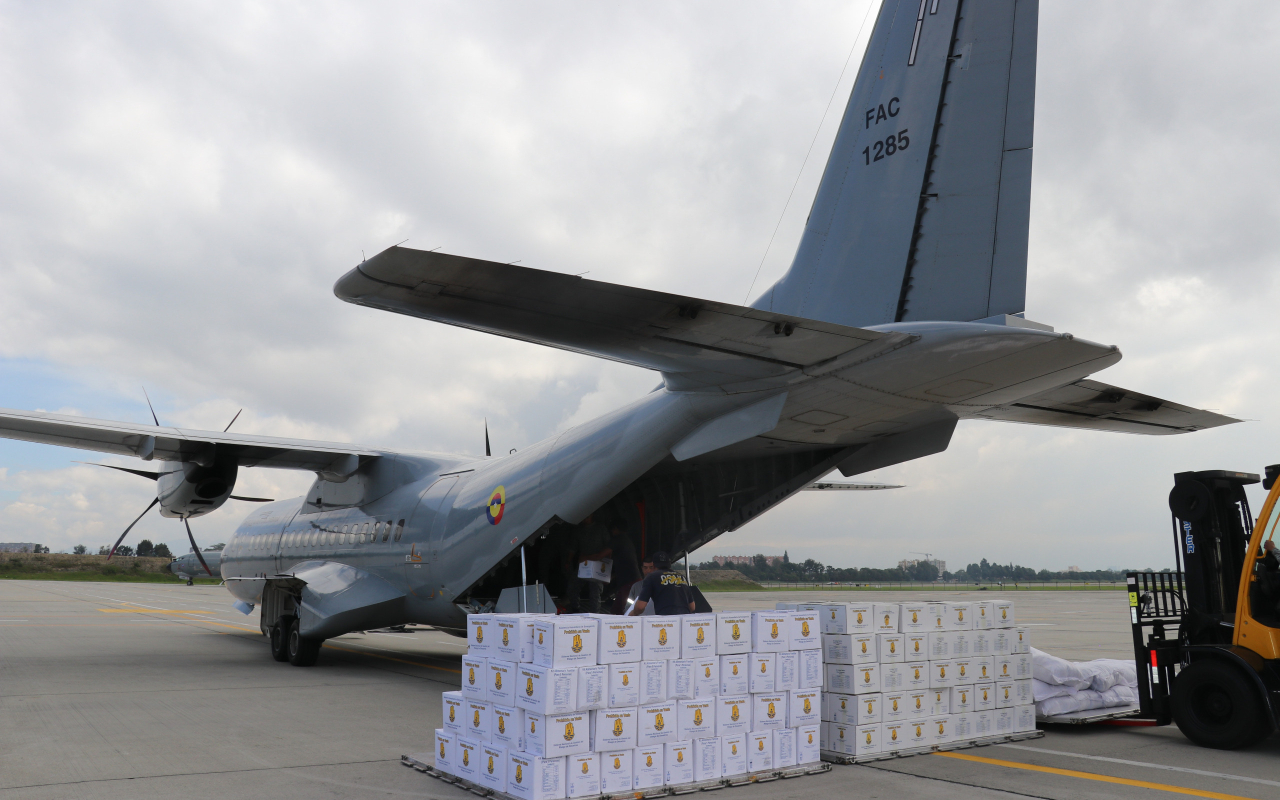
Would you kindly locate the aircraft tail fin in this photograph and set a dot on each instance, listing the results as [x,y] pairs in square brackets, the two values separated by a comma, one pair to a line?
[923,207]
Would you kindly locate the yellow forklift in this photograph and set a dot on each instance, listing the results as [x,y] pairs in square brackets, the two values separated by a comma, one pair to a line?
[1207,635]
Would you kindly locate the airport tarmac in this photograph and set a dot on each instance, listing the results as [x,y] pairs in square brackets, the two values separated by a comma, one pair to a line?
[114,690]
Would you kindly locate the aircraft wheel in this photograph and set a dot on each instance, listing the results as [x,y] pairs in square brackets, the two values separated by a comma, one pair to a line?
[1216,706]
[190,582]
[302,652]
[279,638]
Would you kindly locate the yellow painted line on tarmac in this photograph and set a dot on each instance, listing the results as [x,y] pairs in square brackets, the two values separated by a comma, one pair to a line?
[389,658]
[1093,776]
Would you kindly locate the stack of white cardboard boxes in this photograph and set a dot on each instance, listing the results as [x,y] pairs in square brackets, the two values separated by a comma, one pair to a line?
[900,676]
[577,706]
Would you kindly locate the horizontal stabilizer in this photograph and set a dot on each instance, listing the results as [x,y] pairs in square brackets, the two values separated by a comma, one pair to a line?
[839,486]
[1097,406]
[693,342]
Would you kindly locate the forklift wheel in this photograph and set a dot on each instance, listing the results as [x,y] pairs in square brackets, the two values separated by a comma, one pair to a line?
[1216,706]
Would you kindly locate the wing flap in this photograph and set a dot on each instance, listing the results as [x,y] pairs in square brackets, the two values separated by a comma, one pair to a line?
[716,342]
[1099,406]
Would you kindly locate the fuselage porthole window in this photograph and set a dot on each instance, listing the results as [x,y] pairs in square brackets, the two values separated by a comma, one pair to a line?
[386,531]
[364,532]
[399,529]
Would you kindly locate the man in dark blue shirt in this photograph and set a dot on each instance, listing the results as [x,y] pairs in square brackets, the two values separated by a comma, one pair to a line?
[666,589]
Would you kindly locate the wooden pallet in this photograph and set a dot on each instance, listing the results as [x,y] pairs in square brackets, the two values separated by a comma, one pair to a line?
[842,758]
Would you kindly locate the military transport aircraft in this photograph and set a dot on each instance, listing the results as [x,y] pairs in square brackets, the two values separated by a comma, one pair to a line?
[901,313]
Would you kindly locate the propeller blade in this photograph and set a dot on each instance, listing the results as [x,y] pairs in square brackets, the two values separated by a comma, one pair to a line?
[233,420]
[486,437]
[152,475]
[153,411]
[253,499]
[131,524]
[194,547]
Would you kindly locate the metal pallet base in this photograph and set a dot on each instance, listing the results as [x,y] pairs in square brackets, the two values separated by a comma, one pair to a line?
[1091,716]
[422,763]
[841,758]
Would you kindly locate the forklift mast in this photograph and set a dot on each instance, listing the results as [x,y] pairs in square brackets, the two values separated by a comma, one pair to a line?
[1211,528]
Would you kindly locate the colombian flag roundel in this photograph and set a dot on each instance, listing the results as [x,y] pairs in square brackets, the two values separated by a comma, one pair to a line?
[497,504]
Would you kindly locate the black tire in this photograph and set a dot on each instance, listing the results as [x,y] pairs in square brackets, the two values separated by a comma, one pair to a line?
[190,582]
[1216,705]
[302,652]
[278,635]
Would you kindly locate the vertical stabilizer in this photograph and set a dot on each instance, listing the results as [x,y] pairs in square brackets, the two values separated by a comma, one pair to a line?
[923,207]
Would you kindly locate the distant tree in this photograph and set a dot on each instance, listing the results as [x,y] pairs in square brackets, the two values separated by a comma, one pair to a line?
[80,550]
[786,559]
[39,549]
[146,549]
[124,550]
[215,548]
[104,550]
[162,551]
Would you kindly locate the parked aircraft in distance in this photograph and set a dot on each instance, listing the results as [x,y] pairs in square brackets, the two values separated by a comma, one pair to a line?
[901,314]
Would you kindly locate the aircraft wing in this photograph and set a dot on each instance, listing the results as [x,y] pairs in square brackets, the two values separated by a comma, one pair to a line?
[699,341]
[179,444]
[1097,406]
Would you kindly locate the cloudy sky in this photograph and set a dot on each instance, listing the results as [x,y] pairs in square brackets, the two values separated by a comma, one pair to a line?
[181,184]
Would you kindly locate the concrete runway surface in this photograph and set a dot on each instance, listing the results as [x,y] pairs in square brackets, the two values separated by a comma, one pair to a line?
[111,690]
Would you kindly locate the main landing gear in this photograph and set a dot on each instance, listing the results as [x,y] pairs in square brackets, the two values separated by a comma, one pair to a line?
[287,644]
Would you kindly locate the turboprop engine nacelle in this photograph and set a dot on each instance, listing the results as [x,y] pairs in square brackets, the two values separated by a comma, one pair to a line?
[187,489]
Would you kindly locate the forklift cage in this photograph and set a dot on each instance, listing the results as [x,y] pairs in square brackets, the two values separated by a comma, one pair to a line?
[1157,602]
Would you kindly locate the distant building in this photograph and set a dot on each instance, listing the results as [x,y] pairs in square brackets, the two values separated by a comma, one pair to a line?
[915,562]
[747,560]
[1073,569]
[17,547]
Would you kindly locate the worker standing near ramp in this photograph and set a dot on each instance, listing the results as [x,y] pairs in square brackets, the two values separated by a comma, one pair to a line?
[667,590]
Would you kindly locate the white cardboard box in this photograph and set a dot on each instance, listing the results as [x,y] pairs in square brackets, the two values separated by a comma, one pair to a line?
[706,759]
[593,685]
[760,751]
[614,728]
[547,690]
[733,754]
[893,677]
[886,615]
[864,649]
[466,764]
[475,674]
[848,618]
[735,673]
[960,616]
[841,708]
[1001,642]
[658,724]
[981,642]
[962,727]
[786,672]
[566,641]
[918,733]
[446,750]
[866,739]
[1022,693]
[1006,721]
[1004,614]
[601,570]
[804,707]
[893,706]
[984,723]
[501,681]
[680,679]
[891,647]
[733,633]
[808,744]
[937,617]
[942,674]
[647,770]
[984,616]
[939,646]
[1021,666]
[810,675]
[916,676]
[914,618]
[697,635]
[768,711]
[1022,640]
[940,729]
[866,679]
[615,771]
[624,685]
[962,644]
[733,714]
[532,778]
[706,676]
[893,736]
[915,647]
[761,667]
[696,719]
[804,631]
[965,672]
[451,710]
[660,639]
[477,718]
[837,648]
[982,668]
[506,726]
[582,774]
[769,631]
[492,770]
[918,701]
[1006,694]
[984,696]
[939,702]
[784,748]
[677,760]
[619,641]
[514,637]
[1024,718]
[840,678]
[653,681]
[841,738]
[961,699]
[870,709]
[480,639]
[556,735]
[1005,668]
